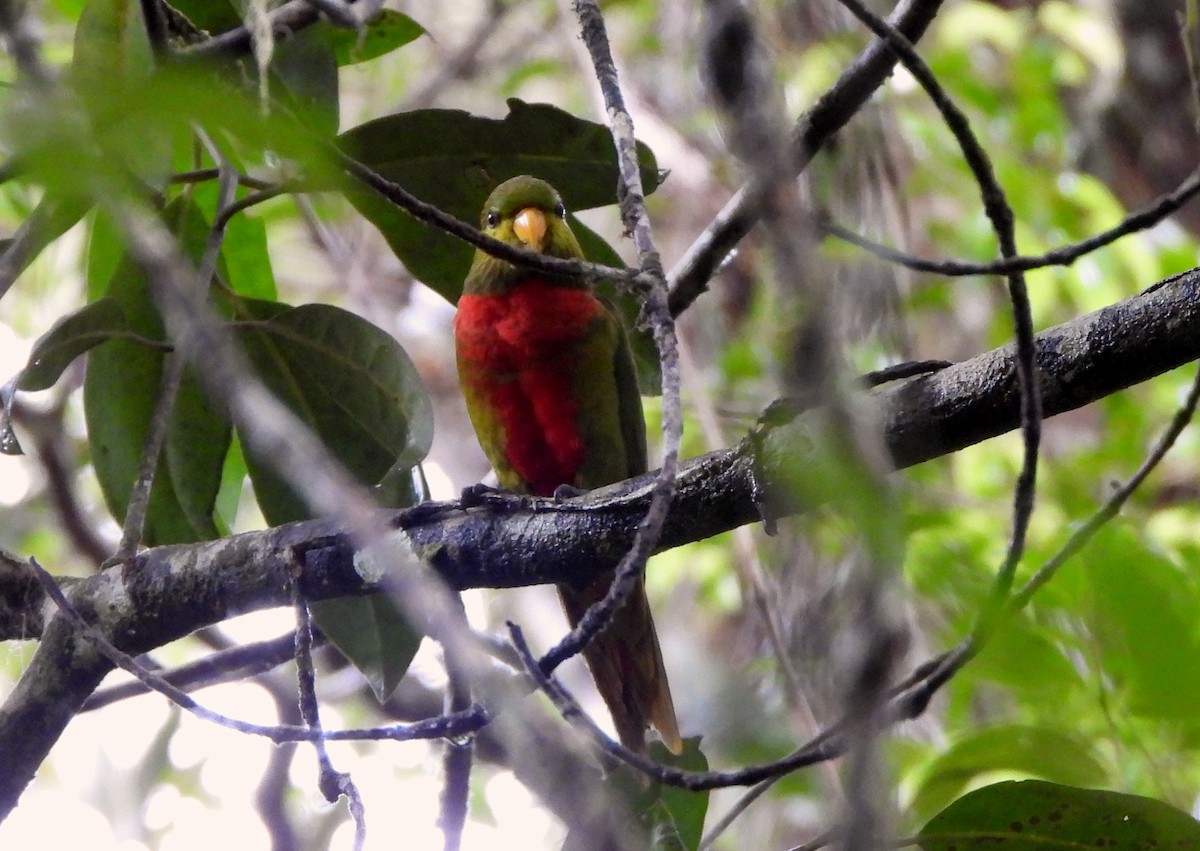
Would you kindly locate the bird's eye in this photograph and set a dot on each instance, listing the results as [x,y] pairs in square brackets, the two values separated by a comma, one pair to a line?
[492,218]
[560,211]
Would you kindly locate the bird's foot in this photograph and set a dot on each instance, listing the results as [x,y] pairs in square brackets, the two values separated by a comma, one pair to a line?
[474,496]
[478,495]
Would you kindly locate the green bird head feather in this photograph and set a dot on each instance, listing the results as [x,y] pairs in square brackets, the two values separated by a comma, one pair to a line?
[528,213]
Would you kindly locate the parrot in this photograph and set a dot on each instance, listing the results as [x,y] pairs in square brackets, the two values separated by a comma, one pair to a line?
[550,387]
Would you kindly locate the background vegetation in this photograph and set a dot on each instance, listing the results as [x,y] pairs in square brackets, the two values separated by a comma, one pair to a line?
[117,135]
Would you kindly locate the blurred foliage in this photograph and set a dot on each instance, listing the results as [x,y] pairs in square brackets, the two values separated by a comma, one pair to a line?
[1094,684]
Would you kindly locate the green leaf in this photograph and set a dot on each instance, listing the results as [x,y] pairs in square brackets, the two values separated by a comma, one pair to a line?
[212,16]
[389,31]
[112,64]
[244,251]
[355,387]
[307,69]
[670,817]
[247,259]
[70,337]
[350,382]
[120,390]
[1033,815]
[1026,656]
[105,252]
[111,47]
[1144,617]
[54,215]
[136,129]
[233,484]
[1030,750]
[453,159]
[373,634]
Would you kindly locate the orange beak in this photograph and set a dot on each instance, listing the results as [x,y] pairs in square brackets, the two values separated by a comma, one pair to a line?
[530,227]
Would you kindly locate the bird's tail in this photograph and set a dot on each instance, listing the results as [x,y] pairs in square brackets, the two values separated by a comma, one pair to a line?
[627,665]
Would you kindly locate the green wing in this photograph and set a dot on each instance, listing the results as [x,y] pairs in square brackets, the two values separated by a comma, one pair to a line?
[633,420]
[610,406]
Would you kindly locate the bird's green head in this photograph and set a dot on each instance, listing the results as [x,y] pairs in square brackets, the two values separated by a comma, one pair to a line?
[526,212]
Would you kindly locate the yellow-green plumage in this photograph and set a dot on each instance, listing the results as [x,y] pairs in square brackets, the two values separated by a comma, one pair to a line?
[551,389]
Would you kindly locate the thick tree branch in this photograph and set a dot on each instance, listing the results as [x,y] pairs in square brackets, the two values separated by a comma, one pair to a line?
[167,592]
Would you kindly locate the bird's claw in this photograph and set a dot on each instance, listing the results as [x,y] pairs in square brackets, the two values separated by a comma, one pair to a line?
[480,494]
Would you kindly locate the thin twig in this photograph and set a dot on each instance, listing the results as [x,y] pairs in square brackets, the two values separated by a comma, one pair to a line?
[824,746]
[201,175]
[228,210]
[459,754]
[236,663]
[138,506]
[431,215]
[1065,255]
[290,18]
[332,783]
[20,34]
[1001,216]
[458,724]
[689,278]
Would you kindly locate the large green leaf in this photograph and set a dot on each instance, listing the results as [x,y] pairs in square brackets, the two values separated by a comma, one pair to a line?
[1034,815]
[1144,615]
[453,160]
[111,47]
[306,67]
[112,64]
[389,31]
[1051,754]
[355,387]
[373,634]
[350,382]
[104,253]
[70,337]
[121,387]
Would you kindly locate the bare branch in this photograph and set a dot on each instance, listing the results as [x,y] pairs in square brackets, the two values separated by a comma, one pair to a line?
[1147,217]
[291,17]
[688,279]
[522,257]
